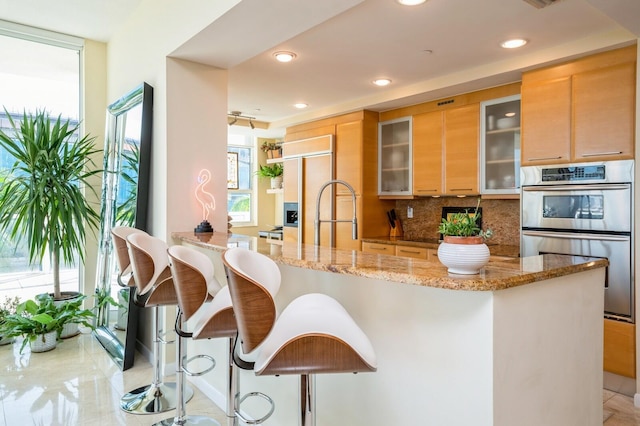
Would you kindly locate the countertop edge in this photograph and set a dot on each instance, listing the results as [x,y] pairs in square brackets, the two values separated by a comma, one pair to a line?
[497,275]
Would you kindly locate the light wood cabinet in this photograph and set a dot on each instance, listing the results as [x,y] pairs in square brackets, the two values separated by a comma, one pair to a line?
[461,150]
[432,255]
[355,147]
[427,153]
[604,113]
[445,152]
[620,348]
[378,248]
[580,111]
[410,251]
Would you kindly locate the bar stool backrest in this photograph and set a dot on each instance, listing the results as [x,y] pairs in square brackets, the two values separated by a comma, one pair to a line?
[119,236]
[149,261]
[253,281]
[193,278]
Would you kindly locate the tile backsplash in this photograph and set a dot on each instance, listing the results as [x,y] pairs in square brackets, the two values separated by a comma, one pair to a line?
[501,216]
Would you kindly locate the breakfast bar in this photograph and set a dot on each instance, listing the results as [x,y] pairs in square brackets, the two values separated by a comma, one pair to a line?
[519,343]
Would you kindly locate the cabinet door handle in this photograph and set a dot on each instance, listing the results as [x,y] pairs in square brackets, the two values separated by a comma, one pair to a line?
[596,154]
[461,189]
[378,248]
[543,158]
[408,251]
[426,190]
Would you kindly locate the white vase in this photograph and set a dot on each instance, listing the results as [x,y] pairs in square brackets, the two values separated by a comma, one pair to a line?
[44,342]
[276,182]
[463,258]
[70,329]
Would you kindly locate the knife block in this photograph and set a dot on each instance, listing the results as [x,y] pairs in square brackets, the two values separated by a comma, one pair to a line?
[397,231]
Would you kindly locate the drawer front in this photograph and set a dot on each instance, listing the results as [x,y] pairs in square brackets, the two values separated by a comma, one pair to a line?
[378,248]
[408,251]
[432,255]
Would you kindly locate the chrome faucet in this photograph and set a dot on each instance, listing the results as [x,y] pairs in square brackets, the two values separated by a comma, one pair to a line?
[354,221]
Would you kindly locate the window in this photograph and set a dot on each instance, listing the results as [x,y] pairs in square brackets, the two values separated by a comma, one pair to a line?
[38,70]
[241,201]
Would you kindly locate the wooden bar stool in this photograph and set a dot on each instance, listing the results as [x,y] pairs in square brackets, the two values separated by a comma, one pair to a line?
[313,334]
[194,280]
[119,236]
[154,288]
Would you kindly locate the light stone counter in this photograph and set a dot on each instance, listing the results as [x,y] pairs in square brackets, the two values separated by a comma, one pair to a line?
[497,275]
[526,350]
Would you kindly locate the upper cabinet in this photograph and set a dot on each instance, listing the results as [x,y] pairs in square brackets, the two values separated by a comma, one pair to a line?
[445,152]
[461,150]
[500,145]
[394,157]
[580,111]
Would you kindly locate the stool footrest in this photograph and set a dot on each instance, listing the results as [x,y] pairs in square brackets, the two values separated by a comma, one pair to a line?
[161,335]
[261,419]
[199,373]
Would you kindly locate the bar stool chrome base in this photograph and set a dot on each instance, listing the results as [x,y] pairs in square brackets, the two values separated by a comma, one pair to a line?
[153,399]
[189,421]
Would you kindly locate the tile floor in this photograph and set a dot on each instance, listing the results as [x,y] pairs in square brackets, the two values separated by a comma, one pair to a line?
[78,384]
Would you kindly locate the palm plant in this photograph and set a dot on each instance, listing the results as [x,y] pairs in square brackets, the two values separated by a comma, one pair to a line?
[126,211]
[42,201]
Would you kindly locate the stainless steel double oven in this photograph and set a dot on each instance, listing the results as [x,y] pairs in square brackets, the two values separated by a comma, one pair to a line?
[584,209]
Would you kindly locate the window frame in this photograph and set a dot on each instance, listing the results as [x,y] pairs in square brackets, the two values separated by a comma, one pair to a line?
[248,142]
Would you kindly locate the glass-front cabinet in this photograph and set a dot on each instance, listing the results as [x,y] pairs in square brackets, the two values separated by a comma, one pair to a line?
[394,157]
[500,145]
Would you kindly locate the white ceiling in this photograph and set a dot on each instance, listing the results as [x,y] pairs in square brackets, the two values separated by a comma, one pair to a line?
[342,45]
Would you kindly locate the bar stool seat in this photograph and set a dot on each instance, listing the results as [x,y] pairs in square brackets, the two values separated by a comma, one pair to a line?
[193,277]
[119,236]
[313,334]
[154,289]
[309,326]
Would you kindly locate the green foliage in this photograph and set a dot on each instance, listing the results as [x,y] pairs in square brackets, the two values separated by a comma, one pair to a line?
[8,307]
[463,225]
[33,318]
[126,212]
[42,199]
[269,146]
[270,171]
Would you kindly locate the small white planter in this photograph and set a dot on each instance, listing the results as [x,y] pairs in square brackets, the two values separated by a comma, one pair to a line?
[5,340]
[276,182]
[70,329]
[44,342]
[463,258]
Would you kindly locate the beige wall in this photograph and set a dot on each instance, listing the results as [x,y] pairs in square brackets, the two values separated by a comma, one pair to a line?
[93,105]
[185,136]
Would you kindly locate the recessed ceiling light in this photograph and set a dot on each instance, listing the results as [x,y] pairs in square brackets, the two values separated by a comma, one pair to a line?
[382,82]
[513,43]
[510,114]
[410,2]
[284,56]
[301,105]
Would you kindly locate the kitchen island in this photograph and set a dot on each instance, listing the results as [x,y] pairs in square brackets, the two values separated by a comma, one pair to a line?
[520,343]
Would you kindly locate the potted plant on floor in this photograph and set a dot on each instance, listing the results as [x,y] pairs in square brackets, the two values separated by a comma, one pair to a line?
[36,321]
[274,172]
[70,315]
[42,200]
[463,250]
[7,307]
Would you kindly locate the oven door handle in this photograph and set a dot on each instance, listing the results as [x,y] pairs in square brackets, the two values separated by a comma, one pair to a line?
[575,236]
[586,187]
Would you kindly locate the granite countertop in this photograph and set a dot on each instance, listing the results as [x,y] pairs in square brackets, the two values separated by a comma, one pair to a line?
[497,275]
[432,243]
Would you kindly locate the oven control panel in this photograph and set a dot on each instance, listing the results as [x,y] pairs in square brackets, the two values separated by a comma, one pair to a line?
[574,174]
